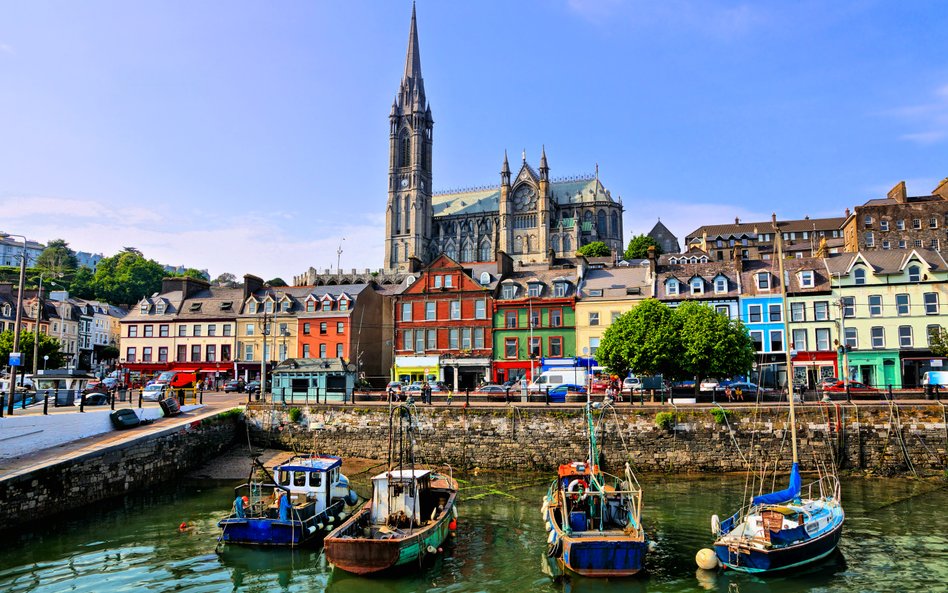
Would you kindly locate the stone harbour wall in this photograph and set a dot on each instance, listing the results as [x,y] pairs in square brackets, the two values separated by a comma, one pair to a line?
[113,471]
[881,439]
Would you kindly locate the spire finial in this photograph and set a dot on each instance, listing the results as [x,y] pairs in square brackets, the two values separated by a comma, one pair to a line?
[413,59]
[524,155]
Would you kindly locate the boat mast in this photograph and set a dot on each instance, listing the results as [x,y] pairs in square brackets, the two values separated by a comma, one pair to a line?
[786,335]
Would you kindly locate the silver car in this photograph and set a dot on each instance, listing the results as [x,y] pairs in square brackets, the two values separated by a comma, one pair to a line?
[155,392]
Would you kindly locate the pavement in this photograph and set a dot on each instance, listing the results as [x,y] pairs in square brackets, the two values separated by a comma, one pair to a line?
[29,439]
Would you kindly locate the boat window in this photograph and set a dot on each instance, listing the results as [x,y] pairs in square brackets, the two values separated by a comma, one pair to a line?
[315,478]
[283,477]
[299,479]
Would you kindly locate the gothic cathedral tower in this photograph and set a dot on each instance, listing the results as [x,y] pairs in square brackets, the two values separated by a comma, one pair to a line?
[409,213]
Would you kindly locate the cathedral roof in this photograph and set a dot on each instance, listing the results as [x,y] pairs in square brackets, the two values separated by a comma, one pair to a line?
[571,191]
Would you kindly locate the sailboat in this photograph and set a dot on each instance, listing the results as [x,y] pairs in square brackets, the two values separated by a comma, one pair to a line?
[788,528]
[593,518]
[411,513]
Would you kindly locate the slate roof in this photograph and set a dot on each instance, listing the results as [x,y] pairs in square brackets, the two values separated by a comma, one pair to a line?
[752,229]
[791,267]
[685,272]
[615,283]
[546,277]
[886,261]
[568,192]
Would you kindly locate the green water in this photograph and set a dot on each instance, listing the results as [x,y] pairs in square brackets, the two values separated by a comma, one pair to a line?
[895,539]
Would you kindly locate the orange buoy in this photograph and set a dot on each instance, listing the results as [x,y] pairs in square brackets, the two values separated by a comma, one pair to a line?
[183,526]
[453,525]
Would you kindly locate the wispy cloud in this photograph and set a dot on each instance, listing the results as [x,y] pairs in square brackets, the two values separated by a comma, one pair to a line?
[262,243]
[715,19]
[930,119]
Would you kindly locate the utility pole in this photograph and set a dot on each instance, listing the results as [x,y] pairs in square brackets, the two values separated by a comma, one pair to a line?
[36,328]
[18,322]
[842,342]
[339,258]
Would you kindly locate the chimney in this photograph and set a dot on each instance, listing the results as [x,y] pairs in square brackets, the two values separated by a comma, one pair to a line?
[898,193]
[652,264]
[942,189]
[504,265]
[847,213]
[187,286]
[251,285]
[738,262]
[737,220]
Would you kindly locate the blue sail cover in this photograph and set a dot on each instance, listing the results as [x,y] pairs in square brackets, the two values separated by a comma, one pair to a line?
[783,495]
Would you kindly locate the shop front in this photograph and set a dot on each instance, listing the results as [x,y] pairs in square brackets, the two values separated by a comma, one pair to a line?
[511,370]
[461,373]
[875,368]
[770,370]
[313,379]
[916,363]
[810,368]
[417,368]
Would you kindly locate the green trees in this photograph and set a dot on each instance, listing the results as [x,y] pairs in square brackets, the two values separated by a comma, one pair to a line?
[127,277]
[57,259]
[48,346]
[595,249]
[938,338]
[277,282]
[193,273]
[691,340]
[638,247]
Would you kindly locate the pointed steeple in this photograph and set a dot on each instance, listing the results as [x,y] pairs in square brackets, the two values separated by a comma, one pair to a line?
[505,171]
[412,82]
[544,168]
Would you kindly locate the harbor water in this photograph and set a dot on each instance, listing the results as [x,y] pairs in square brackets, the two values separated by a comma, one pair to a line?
[894,540]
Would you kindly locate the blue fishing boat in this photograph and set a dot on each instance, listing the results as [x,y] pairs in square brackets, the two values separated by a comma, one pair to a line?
[305,498]
[594,518]
[786,529]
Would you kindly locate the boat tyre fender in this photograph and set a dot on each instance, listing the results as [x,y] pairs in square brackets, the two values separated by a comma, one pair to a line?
[454,511]
[571,488]
[715,525]
[553,549]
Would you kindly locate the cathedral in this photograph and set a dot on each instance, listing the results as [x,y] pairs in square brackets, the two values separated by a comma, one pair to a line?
[529,216]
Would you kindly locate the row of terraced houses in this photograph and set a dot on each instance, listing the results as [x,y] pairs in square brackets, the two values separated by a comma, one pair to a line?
[877,300]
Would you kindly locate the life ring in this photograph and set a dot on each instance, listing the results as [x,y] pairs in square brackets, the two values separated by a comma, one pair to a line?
[571,488]
[715,525]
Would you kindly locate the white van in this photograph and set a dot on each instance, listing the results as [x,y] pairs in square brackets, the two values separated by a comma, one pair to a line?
[932,378]
[563,376]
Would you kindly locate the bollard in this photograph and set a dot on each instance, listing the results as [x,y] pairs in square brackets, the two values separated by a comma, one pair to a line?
[848,394]
[507,396]
[181,396]
[201,395]
[112,398]
[56,398]
[3,406]
[546,397]
[890,392]
[82,402]
[46,403]
[140,393]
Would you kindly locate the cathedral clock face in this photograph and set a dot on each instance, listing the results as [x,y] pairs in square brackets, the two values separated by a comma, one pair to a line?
[525,199]
[404,182]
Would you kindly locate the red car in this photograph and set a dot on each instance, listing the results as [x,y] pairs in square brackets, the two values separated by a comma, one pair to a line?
[854,387]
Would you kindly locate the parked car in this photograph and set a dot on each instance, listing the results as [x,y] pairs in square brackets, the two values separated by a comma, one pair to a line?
[854,387]
[709,385]
[94,398]
[395,386]
[631,385]
[559,393]
[234,386]
[492,389]
[827,381]
[252,387]
[95,387]
[155,392]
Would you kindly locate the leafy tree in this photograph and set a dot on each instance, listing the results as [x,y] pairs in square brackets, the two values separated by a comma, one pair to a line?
[127,277]
[277,282]
[711,344]
[83,284]
[194,273]
[638,247]
[109,353]
[57,258]
[642,340]
[48,346]
[595,249]
[225,279]
[939,340]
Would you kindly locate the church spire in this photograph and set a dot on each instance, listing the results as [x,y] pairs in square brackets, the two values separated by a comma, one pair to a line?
[413,59]
[412,91]
[544,168]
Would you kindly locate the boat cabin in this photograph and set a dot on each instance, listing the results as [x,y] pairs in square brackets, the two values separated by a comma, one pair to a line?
[403,498]
[577,470]
[311,479]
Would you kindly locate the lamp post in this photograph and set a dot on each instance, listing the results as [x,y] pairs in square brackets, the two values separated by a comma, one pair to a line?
[45,360]
[19,318]
[36,326]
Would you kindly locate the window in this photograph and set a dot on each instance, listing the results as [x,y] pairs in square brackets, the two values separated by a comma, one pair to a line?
[822,339]
[340,350]
[878,337]
[453,335]
[535,318]
[775,313]
[210,353]
[900,224]
[183,353]
[917,243]
[163,354]
[902,306]
[886,245]
[806,279]
[870,239]
[437,281]
[419,340]
[285,306]
[306,329]
[480,309]
[556,347]
[799,339]
[883,225]
[323,328]
[212,330]
[797,312]
[868,220]
[431,337]
[510,347]
[763,281]
[859,275]
[931,303]
[406,311]
[916,223]
[478,338]
[534,289]
[133,331]
[310,307]
[146,354]
[130,355]
[556,317]
[144,309]
[697,286]
[754,313]
[934,244]
[757,337]
[594,345]
[559,289]
[933,222]
[905,336]
[849,306]
[248,352]
[182,331]
[671,287]
[776,340]
[915,274]
[614,316]
[163,330]
[448,282]
[322,350]
[535,347]
[196,330]
[407,337]
[720,284]
[455,310]
[225,352]
[252,307]
[875,305]
[594,318]
[149,331]
[431,311]
[511,319]
[465,338]
[305,350]
[902,244]
[720,309]
[268,307]
[195,353]
[851,338]
[509,291]
[248,330]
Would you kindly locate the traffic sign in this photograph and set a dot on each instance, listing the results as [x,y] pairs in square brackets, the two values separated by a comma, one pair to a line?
[16,359]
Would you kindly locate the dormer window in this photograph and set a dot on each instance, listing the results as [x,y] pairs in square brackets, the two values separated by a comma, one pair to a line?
[559,289]
[859,276]
[285,306]
[327,303]
[144,308]
[763,280]
[807,279]
[195,307]
[720,284]
[697,285]
[535,289]
[508,291]
[485,278]
[310,305]
[160,308]
[915,274]
[343,304]
[671,287]
[268,307]
[252,307]
[227,306]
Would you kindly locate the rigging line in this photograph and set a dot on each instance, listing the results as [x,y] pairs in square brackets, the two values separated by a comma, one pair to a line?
[731,434]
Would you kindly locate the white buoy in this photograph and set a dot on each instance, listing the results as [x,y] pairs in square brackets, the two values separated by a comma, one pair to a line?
[432,550]
[706,559]
[311,529]
[549,526]
[715,525]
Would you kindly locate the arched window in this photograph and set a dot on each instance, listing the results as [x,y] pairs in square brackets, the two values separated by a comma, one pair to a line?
[483,254]
[394,252]
[615,225]
[567,244]
[859,275]
[404,148]
[601,226]
[467,251]
[397,215]
[555,242]
[407,207]
[587,216]
[451,250]
[518,245]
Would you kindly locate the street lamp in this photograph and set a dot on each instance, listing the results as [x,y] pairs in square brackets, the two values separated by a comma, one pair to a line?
[45,360]
[39,317]
[19,317]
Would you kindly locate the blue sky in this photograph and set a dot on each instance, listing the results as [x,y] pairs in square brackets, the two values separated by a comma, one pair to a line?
[251,137]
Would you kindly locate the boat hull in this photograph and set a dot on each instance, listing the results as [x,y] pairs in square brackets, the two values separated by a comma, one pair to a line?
[265,531]
[603,557]
[756,561]
[367,556]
